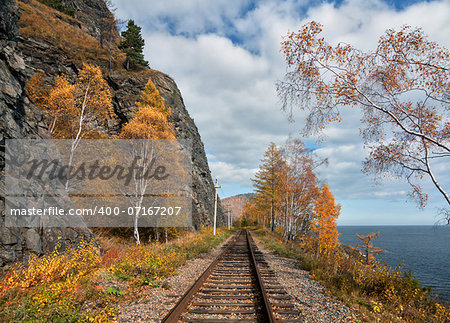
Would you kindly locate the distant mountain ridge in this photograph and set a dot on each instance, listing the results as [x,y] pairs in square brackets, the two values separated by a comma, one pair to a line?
[236,204]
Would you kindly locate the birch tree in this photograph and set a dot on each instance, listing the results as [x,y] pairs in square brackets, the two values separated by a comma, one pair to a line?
[301,187]
[149,122]
[402,89]
[75,111]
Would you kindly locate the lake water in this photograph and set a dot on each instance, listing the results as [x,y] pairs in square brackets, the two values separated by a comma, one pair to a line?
[423,249]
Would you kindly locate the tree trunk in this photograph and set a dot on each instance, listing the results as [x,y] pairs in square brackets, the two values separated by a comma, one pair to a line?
[273,217]
[136,231]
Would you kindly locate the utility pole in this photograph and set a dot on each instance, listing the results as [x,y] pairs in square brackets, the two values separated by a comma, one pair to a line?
[216,186]
[229,217]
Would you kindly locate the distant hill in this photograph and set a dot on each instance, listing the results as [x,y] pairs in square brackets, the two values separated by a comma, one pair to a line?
[236,204]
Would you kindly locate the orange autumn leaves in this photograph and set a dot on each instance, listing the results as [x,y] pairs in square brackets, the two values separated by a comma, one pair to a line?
[77,111]
[323,223]
[82,284]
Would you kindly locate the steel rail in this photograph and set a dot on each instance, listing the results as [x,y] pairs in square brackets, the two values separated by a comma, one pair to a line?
[266,313]
[267,307]
[183,303]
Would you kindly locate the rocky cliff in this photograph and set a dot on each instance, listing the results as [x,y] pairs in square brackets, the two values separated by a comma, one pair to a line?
[51,42]
[126,89]
[21,119]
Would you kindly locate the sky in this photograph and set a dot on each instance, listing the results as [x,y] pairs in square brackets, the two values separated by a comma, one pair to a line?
[225,57]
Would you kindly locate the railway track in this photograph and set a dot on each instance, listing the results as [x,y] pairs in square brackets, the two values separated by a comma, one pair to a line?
[238,286]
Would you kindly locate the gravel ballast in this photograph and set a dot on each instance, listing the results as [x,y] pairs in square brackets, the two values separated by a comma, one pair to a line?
[307,293]
[157,302]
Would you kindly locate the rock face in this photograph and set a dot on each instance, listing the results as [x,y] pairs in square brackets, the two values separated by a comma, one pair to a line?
[21,57]
[90,13]
[21,119]
[126,91]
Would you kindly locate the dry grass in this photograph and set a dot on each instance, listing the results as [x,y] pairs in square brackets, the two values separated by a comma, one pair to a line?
[42,22]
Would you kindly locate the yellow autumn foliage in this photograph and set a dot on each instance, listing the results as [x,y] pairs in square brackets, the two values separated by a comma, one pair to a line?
[151,97]
[381,292]
[72,285]
[55,267]
[150,119]
[71,106]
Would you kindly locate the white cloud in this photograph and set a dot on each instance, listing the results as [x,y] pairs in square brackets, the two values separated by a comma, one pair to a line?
[361,23]
[389,194]
[228,91]
[187,17]
[232,173]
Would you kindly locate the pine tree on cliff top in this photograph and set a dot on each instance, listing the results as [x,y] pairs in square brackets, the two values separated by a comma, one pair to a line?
[133,46]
